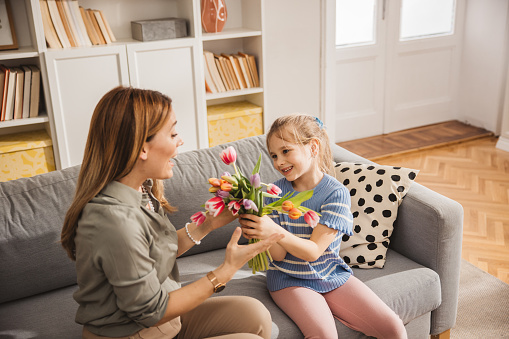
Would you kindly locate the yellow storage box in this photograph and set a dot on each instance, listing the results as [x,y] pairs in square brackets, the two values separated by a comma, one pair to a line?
[25,155]
[233,121]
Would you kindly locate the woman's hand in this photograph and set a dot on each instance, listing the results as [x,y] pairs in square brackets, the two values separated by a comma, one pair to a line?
[224,218]
[238,255]
[255,227]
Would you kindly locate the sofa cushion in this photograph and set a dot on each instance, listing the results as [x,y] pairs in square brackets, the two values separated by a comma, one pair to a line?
[410,289]
[46,315]
[376,192]
[188,189]
[32,212]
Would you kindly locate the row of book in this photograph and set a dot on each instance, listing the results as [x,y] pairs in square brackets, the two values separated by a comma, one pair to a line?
[20,92]
[66,24]
[228,72]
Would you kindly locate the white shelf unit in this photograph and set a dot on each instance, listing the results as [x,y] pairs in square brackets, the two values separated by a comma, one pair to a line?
[74,79]
[27,53]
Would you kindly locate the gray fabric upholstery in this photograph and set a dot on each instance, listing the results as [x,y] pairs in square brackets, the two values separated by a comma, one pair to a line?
[32,211]
[37,279]
[418,296]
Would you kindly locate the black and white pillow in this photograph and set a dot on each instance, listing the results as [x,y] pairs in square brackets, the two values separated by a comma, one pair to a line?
[376,192]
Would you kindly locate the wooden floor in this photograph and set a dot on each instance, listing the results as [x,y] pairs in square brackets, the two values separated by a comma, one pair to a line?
[473,172]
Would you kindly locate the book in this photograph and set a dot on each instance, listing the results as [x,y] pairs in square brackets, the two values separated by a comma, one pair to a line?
[18,93]
[231,71]
[66,23]
[49,29]
[9,92]
[102,26]
[57,23]
[95,26]
[73,23]
[237,71]
[251,62]
[226,70]
[108,28]
[222,74]
[245,71]
[35,91]
[209,83]
[26,91]
[75,9]
[89,27]
[4,79]
[209,58]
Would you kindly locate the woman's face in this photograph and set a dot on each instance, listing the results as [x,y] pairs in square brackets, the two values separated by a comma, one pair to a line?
[161,149]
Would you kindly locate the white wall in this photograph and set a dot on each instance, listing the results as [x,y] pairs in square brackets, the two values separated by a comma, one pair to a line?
[484,63]
[292,58]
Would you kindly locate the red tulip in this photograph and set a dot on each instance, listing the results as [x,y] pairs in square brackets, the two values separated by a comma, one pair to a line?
[198,218]
[215,206]
[229,155]
[311,218]
[273,189]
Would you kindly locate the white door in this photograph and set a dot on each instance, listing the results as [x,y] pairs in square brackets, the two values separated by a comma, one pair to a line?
[397,65]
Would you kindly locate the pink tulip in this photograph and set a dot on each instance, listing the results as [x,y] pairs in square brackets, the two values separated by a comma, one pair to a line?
[273,189]
[215,206]
[229,155]
[311,218]
[234,206]
[198,218]
[222,194]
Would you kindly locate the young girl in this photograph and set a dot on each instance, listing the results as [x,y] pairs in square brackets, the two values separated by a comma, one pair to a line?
[308,279]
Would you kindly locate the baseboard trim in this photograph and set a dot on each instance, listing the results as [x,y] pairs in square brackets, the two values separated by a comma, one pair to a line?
[503,144]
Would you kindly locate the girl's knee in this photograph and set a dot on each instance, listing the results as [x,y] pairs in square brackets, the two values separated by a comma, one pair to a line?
[394,328]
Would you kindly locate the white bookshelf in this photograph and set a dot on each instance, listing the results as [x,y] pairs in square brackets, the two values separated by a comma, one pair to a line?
[74,79]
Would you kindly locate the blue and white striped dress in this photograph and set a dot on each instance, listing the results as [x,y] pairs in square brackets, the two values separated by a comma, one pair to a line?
[332,200]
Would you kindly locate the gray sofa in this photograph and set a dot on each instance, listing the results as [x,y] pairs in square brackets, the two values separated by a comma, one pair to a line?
[37,280]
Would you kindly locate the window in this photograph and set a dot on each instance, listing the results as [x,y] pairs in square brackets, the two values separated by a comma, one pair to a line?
[426,18]
[355,22]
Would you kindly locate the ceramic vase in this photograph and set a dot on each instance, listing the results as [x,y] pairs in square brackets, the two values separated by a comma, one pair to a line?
[213,15]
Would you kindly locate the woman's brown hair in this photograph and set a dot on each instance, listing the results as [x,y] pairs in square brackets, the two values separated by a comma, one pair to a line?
[122,121]
[301,129]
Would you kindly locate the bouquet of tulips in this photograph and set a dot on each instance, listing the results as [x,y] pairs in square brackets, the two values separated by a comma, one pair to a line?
[242,195]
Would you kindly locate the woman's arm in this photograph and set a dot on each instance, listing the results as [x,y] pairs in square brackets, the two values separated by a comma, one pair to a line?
[190,296]
[199,232]
[310,250]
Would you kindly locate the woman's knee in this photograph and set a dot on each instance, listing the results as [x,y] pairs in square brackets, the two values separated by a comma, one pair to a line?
[258,318]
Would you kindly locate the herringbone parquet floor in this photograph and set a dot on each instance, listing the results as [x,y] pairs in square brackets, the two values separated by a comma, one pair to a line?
[476,174]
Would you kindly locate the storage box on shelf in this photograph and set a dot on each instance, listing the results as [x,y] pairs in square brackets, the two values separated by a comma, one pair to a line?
[25,155]
[233,121]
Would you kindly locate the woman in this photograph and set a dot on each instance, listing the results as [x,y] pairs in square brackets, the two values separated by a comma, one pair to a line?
[124,246]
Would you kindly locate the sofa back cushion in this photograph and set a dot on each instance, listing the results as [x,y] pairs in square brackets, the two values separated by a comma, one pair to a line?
[32,213]
[188,188]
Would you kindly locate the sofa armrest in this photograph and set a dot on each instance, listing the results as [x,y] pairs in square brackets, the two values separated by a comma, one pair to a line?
[429,231]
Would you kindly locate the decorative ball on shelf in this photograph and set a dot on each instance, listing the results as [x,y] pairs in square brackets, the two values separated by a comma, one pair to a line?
[213,15]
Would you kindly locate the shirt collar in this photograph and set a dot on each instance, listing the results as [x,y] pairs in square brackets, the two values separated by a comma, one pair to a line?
[124,193]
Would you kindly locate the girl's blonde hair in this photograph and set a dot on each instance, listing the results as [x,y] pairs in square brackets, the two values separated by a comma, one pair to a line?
[301,129]
[122,121]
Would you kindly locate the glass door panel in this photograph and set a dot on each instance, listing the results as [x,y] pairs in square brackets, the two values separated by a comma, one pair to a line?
[426,18]
[355,22]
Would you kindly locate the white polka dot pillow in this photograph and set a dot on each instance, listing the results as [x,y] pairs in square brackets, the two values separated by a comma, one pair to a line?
[376,192]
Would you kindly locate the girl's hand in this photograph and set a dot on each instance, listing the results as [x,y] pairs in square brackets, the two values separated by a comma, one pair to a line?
[255,227]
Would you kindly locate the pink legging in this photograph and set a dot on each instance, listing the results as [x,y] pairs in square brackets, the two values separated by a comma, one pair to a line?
[354,304]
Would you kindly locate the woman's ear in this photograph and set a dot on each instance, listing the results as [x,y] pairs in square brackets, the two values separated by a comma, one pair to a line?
[144,153]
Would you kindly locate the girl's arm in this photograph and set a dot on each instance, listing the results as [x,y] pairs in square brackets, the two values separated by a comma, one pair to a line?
[310,250]
[199,232]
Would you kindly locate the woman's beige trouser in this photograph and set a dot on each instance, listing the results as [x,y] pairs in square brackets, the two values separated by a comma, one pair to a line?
[218,317]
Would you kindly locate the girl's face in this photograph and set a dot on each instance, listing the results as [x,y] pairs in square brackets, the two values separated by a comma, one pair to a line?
[294,161]
[161,149]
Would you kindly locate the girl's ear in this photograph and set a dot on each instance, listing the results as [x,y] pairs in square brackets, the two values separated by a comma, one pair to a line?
[315,146]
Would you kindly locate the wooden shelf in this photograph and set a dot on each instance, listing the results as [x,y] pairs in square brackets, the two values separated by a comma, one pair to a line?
[228,94]
[232,33]
[23,122]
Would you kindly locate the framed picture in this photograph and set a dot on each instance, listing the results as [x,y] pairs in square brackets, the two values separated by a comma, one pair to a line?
[7,34]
